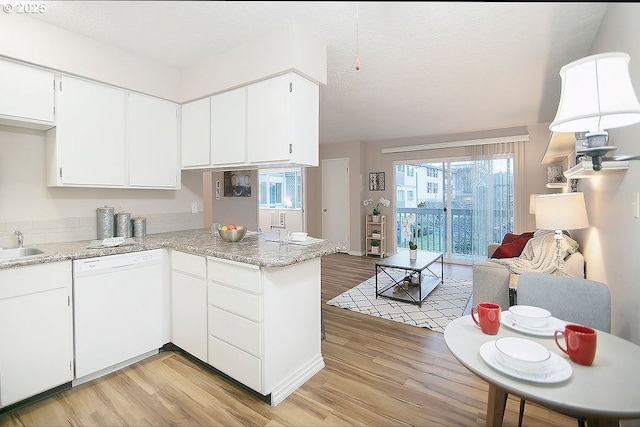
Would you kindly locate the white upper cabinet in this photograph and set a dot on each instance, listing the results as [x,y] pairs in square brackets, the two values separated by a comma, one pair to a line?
[87,146]
[229,127]
[26,96]
[271,123]
[282,121]
[196,128]
[108,137]
[152,136]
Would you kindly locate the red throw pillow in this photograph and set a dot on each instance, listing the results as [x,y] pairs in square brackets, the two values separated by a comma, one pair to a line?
[512,245]
[509,237]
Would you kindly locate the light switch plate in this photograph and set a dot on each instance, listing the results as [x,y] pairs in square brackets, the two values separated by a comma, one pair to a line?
[194,207]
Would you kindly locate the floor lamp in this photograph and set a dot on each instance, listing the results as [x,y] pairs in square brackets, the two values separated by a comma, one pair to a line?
[563,211]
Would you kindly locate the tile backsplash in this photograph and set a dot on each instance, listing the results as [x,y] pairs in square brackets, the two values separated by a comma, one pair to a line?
[86,228]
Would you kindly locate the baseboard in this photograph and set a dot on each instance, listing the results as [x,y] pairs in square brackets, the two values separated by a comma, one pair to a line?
[291,384]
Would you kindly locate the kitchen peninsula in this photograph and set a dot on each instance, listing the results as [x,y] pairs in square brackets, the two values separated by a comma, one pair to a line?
[249,310]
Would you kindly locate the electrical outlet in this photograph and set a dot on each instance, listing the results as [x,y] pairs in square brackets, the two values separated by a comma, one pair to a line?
[194,207]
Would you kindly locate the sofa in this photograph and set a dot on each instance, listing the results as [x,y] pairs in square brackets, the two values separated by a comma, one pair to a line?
[491,279]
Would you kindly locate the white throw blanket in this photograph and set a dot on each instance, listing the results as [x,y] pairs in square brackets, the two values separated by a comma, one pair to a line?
[539,254]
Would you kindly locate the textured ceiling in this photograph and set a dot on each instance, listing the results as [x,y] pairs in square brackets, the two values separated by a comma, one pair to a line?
[427,68]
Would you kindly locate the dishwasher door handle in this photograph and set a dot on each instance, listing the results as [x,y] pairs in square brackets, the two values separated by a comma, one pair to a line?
[123,265]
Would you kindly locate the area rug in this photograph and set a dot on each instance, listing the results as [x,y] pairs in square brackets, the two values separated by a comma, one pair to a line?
[444,304]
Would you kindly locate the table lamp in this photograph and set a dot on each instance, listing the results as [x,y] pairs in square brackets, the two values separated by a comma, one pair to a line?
[563,211]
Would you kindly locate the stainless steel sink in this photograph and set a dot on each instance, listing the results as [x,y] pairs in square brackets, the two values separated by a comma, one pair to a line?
[12,253]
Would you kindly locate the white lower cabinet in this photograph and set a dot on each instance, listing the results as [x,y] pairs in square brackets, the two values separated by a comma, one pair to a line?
[36,330]
[264,324]
[235,321]
[189,303]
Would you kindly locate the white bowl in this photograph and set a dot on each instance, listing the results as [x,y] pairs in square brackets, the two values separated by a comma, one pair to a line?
[530,316]
[298,236]
[522,354]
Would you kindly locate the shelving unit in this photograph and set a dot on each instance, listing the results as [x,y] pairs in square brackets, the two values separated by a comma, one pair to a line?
[381,227]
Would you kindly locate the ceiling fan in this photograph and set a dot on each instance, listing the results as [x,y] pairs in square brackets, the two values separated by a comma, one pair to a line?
[596,146]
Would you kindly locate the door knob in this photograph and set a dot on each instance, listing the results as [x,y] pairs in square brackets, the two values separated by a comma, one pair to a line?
[324,210]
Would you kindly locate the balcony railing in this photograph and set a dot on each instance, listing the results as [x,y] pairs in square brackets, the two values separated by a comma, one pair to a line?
[429,230]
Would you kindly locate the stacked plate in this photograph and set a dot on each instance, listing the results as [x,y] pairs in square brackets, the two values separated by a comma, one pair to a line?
[526,360]
[531,320]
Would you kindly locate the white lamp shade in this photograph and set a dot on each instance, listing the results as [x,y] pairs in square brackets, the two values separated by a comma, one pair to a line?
[596,95]
[563,211]
[532,203]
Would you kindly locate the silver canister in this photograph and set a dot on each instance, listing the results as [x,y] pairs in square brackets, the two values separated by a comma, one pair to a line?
[123,224]
[139,226]
[106,222]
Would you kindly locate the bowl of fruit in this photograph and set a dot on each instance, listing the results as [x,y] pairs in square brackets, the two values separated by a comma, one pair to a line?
[232,232]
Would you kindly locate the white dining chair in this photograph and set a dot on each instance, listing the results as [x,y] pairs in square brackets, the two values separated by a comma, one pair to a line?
[571,299]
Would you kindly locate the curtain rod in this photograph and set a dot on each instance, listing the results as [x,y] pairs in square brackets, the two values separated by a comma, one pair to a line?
[452,144]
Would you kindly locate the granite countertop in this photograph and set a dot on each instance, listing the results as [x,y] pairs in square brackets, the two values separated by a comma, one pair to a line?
[260,249]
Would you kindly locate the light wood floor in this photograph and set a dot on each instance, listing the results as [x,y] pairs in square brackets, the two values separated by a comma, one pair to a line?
[377,373]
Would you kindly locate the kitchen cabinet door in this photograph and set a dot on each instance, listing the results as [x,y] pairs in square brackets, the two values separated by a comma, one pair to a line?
[282,121]
[26,96]
[229,127]
[196,138]
[189,303]
[87,146]
[152,139]
[36,330]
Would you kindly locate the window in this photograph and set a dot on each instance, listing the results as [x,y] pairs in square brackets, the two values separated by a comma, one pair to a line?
[409,170]
[400,196]
[409,196]
[280,189]
[432,187]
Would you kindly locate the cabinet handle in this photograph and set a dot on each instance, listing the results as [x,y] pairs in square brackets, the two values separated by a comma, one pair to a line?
[290,148]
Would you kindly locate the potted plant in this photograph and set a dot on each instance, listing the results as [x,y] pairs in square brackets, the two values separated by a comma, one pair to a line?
[375,234]
[375,246]
[375,213]
[413,250]
[406,232]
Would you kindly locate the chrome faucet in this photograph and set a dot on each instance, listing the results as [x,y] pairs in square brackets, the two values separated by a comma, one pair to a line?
[20,237]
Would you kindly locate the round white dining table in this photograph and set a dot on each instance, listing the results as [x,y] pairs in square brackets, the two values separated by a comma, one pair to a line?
[603,393]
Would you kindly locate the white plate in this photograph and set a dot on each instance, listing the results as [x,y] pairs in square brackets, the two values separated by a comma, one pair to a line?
[558,371]
[507,319]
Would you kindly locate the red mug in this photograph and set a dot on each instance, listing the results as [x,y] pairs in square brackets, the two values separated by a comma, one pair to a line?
[580,343]
[488,317]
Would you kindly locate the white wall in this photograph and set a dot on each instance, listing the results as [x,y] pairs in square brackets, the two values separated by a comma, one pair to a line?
[272,54]
[611,245]
[48,214]
[29,40]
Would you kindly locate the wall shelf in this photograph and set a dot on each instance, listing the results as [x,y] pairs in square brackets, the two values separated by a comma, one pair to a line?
[556,184]
[560,145]
[584,169]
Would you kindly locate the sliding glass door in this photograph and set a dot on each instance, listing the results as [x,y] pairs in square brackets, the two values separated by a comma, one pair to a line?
[455,207]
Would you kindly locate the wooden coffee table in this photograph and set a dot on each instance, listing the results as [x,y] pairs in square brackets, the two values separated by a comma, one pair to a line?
[413,286]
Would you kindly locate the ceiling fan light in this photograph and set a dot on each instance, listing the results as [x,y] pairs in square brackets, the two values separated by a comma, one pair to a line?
[596,95]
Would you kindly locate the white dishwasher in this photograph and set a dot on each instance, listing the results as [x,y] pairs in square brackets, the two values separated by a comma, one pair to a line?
[117,310]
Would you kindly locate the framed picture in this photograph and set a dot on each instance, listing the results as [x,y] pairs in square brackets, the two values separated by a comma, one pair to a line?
[376,181]
[237,184]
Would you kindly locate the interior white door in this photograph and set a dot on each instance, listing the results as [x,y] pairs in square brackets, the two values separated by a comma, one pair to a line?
[335,200]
